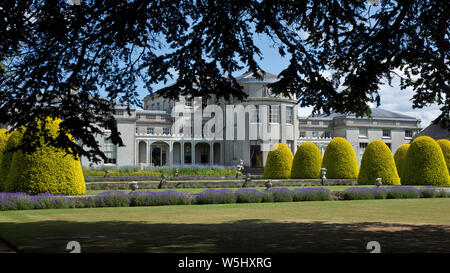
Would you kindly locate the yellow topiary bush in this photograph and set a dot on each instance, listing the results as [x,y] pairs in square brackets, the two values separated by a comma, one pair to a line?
[425,164]
[12,141]
[307,162]
[400,157]
[4,135]
[378,162]
[48,169]
[340,160]
[279,162]
[445,147]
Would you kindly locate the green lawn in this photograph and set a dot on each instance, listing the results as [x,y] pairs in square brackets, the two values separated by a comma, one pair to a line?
[400,225]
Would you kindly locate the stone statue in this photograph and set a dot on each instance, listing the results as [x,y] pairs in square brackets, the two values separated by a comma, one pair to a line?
[268,184]
[247,179]
[239,168]
[323,173]
[323,177]
[163,181]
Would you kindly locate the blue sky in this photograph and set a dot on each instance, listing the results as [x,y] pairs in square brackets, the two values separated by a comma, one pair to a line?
[392,97]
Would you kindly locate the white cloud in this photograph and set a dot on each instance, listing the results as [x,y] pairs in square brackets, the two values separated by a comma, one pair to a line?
[397,100]
[304,111]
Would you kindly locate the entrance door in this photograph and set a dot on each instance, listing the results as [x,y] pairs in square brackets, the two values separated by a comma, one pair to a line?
[156,156]
[256,156]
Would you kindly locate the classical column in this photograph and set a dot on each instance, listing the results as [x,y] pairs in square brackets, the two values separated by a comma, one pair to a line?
[192,152]
[182,153]
[171,153]
[222,153]
[136,153]
[211,153]
[148,151]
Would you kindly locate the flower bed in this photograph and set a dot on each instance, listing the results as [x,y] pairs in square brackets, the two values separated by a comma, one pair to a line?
[396,192]
[22,201]
[170,197]
[217,184]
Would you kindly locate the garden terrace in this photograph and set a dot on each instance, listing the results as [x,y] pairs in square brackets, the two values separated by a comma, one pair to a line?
[219,183]
[157,178]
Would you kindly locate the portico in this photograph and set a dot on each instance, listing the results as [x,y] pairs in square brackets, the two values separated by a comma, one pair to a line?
[169,150]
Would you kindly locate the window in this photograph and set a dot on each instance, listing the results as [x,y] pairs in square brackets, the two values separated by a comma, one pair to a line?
[362,148]
[157,106]
[137,130]
[289,115]
[166,131]
[326,134]
[363,145]
[290,144]
[110,151]
[386,133]
[363,132]
[315,134]
[188,101]
[150,131]
[274,115]
[302,134]
[255,116]
[389,145]
[204,101]
[315,122]
[408,134]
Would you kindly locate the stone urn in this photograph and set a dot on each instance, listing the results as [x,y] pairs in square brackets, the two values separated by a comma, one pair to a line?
[133,185]
[378,182]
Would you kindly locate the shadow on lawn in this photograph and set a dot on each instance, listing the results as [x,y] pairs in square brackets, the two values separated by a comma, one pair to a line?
[234,237]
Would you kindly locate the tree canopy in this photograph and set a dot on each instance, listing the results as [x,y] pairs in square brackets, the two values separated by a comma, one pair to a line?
[58,56]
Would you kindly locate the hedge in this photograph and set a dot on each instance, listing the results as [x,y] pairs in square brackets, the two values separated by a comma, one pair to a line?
[22,201]
[425,164]
[7,155]
[307,162]
[378,162]
[48,169]
[445,147]
[4,135]
[400,158]
[340,160]
[279,162]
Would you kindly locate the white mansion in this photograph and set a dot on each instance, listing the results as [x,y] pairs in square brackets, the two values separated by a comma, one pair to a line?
[150,139]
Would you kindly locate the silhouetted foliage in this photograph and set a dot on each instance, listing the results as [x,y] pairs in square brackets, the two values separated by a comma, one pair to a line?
[58,56]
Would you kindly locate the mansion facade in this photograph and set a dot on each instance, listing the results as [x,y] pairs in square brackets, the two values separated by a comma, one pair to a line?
[151,139]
